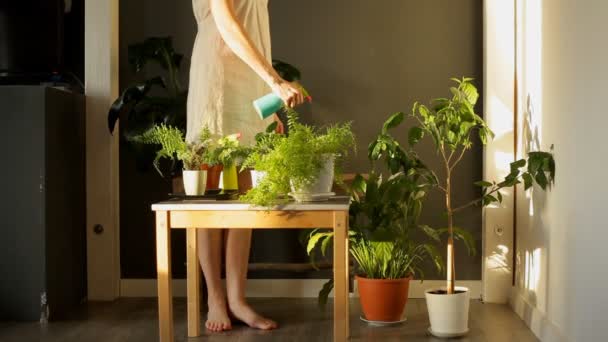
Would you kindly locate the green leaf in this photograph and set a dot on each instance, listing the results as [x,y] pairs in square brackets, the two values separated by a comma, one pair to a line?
[541,180]
[528,181]
[314,239]
[272,127]
[430,232]
[466,237]
[415,134]
[393,121]
[324,293]
[516,165]
[499,196]
[470,92]
[484,184]
[287,71]
[488,199]
[325,244]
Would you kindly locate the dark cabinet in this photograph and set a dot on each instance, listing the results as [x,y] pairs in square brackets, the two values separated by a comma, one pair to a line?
[42,205]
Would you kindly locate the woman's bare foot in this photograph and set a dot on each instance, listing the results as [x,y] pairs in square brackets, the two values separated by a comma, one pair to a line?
[217,317]
[243,312]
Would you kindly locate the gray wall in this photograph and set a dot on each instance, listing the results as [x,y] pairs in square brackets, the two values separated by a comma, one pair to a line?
[361,60]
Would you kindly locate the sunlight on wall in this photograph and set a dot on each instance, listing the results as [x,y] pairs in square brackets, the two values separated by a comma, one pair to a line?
[499,94]
[498,260]
[529,68]
[532,270]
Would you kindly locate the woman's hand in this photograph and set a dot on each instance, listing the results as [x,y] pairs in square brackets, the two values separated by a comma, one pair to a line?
[290,93]
[280,127]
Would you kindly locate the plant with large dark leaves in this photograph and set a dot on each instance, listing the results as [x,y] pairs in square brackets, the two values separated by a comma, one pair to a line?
[157,100]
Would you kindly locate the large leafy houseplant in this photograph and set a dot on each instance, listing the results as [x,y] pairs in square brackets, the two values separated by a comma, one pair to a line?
[156,100]
[451,123]
[383,215]
[296,159]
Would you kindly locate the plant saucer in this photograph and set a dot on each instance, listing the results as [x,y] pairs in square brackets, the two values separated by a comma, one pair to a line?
[447,335]
[381,323]
[307,197]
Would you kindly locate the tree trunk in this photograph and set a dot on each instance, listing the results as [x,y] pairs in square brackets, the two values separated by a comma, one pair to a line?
[451,271]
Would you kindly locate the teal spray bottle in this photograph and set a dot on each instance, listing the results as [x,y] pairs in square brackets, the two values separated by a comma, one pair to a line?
[269,104]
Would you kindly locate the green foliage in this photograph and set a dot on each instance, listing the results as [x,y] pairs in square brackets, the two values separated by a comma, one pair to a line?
[287,71]
[450,122]
[384,214]
[226,151]
[153,101]
[172,146]
[137,109]
[295,159]
[540,171]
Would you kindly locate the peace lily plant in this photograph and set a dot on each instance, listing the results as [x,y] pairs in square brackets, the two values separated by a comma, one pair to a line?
[451,123]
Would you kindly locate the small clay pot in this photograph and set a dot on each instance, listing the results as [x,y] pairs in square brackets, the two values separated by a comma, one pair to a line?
[383,300]
[244,180]
[213,175]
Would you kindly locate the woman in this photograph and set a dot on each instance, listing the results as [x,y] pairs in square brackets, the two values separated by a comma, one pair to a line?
[231,67]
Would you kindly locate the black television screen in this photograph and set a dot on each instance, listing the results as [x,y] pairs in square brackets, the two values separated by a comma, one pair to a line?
[31,36]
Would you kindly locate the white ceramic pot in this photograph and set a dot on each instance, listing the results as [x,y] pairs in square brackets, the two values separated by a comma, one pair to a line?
[325,180]
[195,182]
[256,177]
[449,314]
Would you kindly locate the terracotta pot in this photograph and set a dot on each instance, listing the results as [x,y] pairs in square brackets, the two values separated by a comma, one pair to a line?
[213,175]
[383,300]
[244,180]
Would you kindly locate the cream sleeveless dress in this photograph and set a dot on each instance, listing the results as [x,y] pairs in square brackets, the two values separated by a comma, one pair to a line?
[222,87]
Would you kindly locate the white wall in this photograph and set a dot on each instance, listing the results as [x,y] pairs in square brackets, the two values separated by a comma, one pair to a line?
[561,236]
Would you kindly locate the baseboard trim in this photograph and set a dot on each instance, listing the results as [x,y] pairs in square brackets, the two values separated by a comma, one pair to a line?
[280,288]
[535,319]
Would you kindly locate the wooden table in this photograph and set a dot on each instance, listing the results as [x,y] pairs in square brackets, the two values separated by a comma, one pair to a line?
[209,214]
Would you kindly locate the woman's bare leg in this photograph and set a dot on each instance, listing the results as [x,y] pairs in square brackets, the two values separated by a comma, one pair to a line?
[210,242]
[238,244]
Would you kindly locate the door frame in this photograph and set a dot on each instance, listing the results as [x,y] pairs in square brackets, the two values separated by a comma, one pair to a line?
[101,88]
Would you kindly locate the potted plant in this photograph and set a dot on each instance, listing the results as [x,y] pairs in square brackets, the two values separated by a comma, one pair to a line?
[383,217]
[156,100]
[172,146]
[224,154]
[303,163]
[451,122]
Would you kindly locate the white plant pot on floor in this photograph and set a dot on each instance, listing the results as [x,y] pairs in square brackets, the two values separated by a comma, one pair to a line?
[449,314]
[195,182]
[321,188]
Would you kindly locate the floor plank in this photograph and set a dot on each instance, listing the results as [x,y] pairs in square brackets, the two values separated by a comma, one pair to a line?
[300,320]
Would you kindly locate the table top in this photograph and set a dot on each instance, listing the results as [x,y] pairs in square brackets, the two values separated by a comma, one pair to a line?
[336,203]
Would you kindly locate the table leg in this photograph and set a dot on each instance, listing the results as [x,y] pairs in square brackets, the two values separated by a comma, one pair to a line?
[163,269]
[341,277]
[193,284]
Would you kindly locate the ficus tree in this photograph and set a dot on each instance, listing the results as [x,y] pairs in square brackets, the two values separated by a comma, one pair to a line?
[451,124]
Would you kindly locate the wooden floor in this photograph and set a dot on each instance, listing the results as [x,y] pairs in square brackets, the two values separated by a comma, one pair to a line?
[135,320]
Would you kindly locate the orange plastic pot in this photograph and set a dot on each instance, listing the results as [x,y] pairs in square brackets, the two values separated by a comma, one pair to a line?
[213,175]
[383,300]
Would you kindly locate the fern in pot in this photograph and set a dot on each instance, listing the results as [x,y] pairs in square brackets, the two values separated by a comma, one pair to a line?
[451,123]
[174,147]
[383,217]
[303,163]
